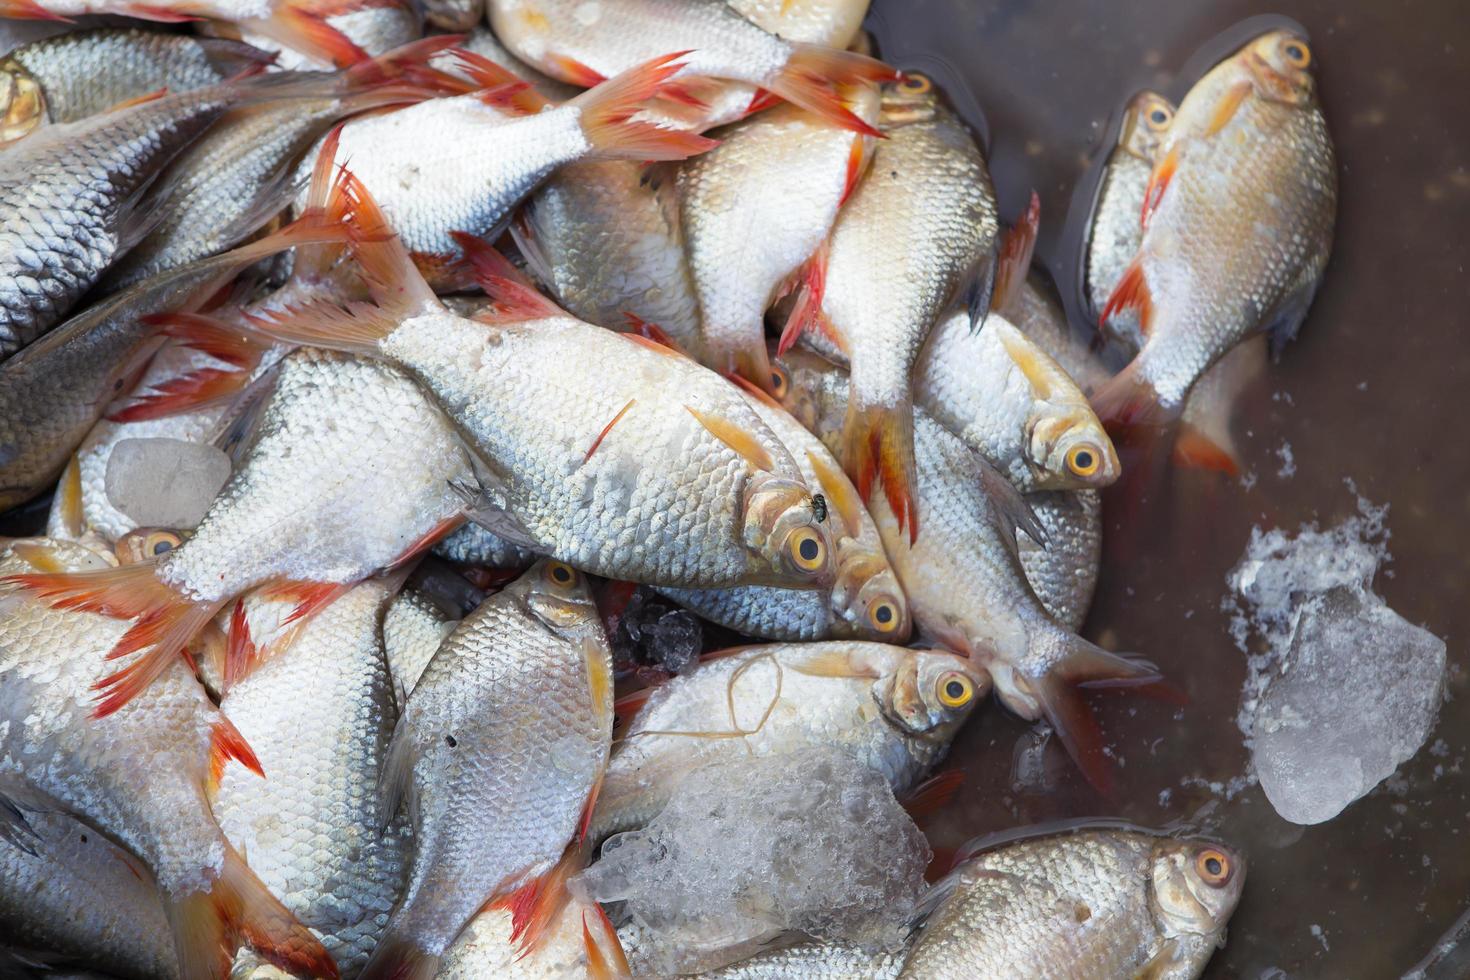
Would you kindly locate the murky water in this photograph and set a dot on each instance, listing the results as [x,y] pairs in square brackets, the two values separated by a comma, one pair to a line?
[1373,390]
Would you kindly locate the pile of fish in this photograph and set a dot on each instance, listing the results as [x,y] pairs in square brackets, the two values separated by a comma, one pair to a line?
[457,445]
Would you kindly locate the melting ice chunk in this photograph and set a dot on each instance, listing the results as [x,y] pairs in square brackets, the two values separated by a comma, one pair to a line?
[165,482]
[812,842]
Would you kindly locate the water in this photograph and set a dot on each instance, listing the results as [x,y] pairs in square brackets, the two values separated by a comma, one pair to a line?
[1371,390]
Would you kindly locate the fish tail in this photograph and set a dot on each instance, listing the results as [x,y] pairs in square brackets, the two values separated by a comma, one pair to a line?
[806,312]
[29,10]
[535,905]
[608,110]
[202,387]
[397,958]
[1195,449]
[1130,401]
[605,957]
[302,25]
[226,743]
[208,926]
[231,58]
[814,77]
[1014,261]
[878,441]
[1086,665]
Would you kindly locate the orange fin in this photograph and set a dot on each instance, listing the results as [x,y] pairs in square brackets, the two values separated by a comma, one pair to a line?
[143,99]
[878,442]
[515,298]
[762,100]
[651,331]
[69,493]
[1014,261]
[1131,293]
[743,443]
[1128,401]
[1158,183]
[208,926]
[608,428]
[396,958]
[159,13]
[29,10]
[838,490]
[608,110]
[1087,666]
[933,794]
[633,702]
[806,313]
[648,343]
[605,957]
[490,77]
[241,653]
[573,72]
[296,24]
[226,743]
[1229,105]
[1193,449]
[814,75]
[185,393]
[754,390]
[858,159]
[535,905]
[753,362]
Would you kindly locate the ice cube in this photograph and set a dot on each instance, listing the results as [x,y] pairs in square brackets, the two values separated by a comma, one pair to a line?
[675,640]
[165,482]
[811,842]
[1354,697]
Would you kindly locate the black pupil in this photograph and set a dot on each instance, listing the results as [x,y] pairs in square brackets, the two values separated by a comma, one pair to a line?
[1294,53]
[1084,459]
[161,547]
[808,550]
[884,614]
[561,575]
[776,381]
[955,690]
[1158,116]
[1212,865]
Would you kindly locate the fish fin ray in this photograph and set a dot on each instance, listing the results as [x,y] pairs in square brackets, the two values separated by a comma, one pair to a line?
[515,297]
[1067,711]
[934,793]
[1014,261]
[878,442]
[1158,183]
[814,76]
[1194,449]
[226,743]
[807,310]
[608,110]
[739,440]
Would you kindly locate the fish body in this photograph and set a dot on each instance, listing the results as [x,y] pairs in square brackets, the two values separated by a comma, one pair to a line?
[864,601]
[477,545]
[1087,904]
[776,179]
[894,709]
[500,746]
[82,896]
[374,29]
[69,199]
[1012,403]
[579,941]
[798,961]
[1241,208]
[454,15]
[1036,314]
[139,775]
[833,23]
[72,76]
[610,248]
[414,626]
[917,239]
[1116,230]
[319,716]
[1064,572]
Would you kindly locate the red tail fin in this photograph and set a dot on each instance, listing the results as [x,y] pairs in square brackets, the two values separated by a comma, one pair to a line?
[535,905]
[1016,249]
[608,110]
[806,313]
[878,441]
[814,74]
[29,10]
[226,743]
[301,25]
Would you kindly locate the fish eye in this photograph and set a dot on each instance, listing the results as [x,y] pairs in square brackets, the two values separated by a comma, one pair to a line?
[1158,117]
[780,382]
[807,549]
[560,574]
[883,614]
[1083,460]
[161,543]
[1213,866]
[915,84]
[1298,55]
[955,689]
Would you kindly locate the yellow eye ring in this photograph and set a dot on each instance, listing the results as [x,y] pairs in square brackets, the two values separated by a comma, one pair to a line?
[1083,460]
[1296,53]
[807,549]
[780,381]
[160,543]
[915,84]
[883,615]
[955,690]
[1213,867]
[561,574]
[1158,118]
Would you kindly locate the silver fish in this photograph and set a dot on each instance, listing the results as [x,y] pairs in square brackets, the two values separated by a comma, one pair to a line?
[498,752]
[579,942]
[798,961]
[482,41]
[420,618]
[477,545]
[1063,572]
[834,23]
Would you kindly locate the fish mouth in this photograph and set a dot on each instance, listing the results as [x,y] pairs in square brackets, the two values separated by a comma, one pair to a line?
[22,103]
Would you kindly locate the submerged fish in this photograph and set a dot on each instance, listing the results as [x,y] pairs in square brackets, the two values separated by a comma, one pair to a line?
[1106,903]
[1238,225]
[586,43]
[1115,231]
[1063,571]
[499,751]
[777,179]
[71,76]
[964,579]
[319,716]
[917,239]
[140,775]
[892,708]
[1009,401]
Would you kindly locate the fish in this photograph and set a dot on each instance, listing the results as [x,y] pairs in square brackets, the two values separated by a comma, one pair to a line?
[475,544]
[964,580]
[71,202]
[368,30]
[482,41]
[319,716]
[1009,401]
[1238,220]
[1114,231]
[777,178]
[236,177]
[806,960]
[608,246]
[71,76]
[348,472]
[1034,311]
[420,617]
[69,890]
[55,390]
[580,942]
[488,158]
[584,45]
[833,23]
[454,15]
[498,753]
[1095,903]
[863,603]
[1063,571]
[894,709]
[649,469]
[1205,440]
[918,238]
[140,776]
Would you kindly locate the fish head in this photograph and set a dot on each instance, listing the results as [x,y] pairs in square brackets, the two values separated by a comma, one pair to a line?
[22,103]
[1279,64]
[810,387]
[1144,125]
[913,98]
[1069,446]
[931,692]
[1196,885]
[866,598]
[783,525]
[558,595]
[146,544]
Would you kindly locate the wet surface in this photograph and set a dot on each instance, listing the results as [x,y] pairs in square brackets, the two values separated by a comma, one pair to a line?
[1371,391]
